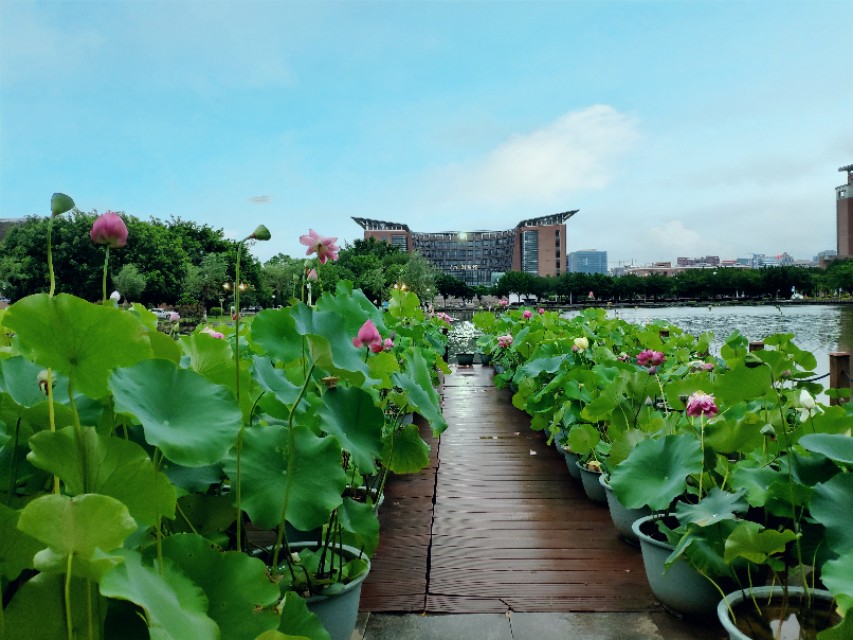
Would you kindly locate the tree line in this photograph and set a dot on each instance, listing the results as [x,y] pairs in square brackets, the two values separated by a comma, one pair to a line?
[179,262]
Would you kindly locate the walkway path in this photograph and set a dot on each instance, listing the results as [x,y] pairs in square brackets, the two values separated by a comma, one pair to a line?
[496,524]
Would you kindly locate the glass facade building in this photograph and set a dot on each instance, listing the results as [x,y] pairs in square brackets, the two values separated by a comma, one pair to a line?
[536,246]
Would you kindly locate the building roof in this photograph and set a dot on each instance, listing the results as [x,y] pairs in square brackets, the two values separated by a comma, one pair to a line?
[369,224]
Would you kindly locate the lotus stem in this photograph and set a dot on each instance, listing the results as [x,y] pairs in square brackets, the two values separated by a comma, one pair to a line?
[104,278]
[69,622]
[50,256]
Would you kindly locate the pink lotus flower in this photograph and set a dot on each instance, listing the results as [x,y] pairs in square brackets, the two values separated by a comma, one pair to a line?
[212,333]
[541,311]
[701,404]
[312,276]
[109,229]
[649,358]
[388,344]
[527,314]
[368,336]
[323,246]
[504,341]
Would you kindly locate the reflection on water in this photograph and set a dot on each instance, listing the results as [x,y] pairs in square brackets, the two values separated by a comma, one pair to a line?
[820,329]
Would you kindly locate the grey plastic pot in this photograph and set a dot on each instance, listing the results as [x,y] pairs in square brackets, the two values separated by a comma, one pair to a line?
[337,612]
[591,486]
[681,588]
[623,517]
[760,594]
[572,460]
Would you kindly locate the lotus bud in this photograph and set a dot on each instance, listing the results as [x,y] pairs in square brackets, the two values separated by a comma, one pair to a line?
[109,229]
[60,203]
[261,233]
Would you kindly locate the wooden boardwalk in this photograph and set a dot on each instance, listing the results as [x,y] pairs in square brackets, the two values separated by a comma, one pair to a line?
[496,523]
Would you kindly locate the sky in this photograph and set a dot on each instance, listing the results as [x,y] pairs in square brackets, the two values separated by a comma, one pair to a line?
[676,128]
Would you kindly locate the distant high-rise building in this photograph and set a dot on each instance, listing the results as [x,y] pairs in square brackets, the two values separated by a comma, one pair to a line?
[588,261]
[844,214]
[536,245]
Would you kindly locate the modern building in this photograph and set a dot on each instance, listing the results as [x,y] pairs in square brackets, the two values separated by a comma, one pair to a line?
[588,261]
[536,245]
[844,214]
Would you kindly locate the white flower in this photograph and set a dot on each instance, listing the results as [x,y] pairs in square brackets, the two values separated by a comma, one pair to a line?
[808,406]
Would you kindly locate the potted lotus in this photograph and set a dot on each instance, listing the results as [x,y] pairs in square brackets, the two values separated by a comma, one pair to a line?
[139,462]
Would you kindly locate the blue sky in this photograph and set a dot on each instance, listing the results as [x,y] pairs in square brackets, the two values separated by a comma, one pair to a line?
[677,128]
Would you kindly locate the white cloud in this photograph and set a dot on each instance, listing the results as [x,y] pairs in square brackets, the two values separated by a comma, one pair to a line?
[575,152]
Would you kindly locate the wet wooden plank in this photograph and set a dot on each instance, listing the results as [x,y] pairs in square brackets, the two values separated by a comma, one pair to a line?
[509,529]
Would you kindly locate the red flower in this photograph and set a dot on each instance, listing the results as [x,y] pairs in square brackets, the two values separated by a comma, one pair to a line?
[109,229]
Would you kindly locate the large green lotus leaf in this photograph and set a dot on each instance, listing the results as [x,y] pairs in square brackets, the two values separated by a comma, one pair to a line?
[205,514]
[404,451]
[353,306]
[275,331]
[837,575]
[405,304]
[298,621]
[275,634]
[77,525]
[583,438]
[348,413]
[239,590]
[113,466]
[360,520]
[836,446]
[211,357]
[656,471]
[313,487]
[832,506]
[715,507]
[331,344]
[549,365]
[842,631]
[164,346]
[193,420]
[19,378]
[82,340]
[741,383]
[623,444]
[382,366]
[755,481]
[416,381]
[704,549]
[16,547]
[175,607]
[37,611]
[275,381]
[751,541]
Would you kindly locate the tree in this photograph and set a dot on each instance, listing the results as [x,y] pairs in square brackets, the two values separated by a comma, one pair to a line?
[129,282]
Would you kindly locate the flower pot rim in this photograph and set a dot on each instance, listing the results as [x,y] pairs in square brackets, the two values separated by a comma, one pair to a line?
[646,538]
[736,597]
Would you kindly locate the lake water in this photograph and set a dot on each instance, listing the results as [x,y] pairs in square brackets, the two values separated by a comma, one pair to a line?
[820,329]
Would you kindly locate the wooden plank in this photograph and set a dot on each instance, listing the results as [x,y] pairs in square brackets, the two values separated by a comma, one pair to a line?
[488,527]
